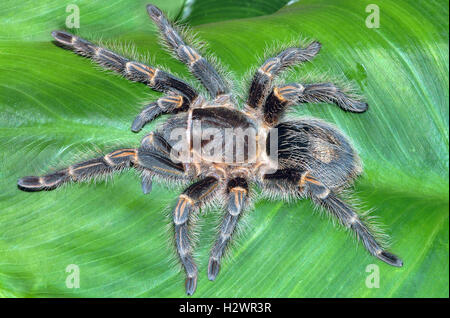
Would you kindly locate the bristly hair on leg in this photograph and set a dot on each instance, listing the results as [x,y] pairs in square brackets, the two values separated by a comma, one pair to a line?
[195,223]
[367,215]
[243,225]
[271,49]
[347,86]
[374,227]
[125,50]
[192,39]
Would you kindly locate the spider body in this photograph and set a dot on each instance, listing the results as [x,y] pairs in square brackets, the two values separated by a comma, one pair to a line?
[220,150]
[217,138]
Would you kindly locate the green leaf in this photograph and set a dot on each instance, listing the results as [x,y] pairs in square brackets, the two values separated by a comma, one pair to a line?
[207,11]
[56,108]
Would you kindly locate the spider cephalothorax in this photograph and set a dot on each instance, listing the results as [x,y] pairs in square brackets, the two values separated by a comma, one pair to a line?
[220,151]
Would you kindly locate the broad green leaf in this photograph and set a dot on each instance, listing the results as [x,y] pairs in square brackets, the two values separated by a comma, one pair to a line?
[56,109]
[206,11]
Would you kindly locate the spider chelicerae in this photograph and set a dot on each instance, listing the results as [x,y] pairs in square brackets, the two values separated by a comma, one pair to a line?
[223,152]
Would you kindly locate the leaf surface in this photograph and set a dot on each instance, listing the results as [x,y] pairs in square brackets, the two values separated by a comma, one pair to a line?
[56,109]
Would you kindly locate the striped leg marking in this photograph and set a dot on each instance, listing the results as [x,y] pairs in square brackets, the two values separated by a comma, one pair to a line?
[350,219]
[280,98]
[165,105]
[329,93]
[114,161]
[262,81]
[237,196]
[188,201]
[132,70]
[197,64]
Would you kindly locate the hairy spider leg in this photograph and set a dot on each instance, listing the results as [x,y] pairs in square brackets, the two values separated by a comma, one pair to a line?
[132,70]
[350,219]
[237,196]
[197,64]
[323,197]
[281,97]
[262,80]
[114,161]
[169,104]
[150,160]
[155,156]
[329,93]
[188,202]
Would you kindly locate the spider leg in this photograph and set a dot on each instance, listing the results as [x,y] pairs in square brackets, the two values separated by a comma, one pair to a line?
[114,161]
[329,93]
[165,105]
[322,196]
[161,164]
[262,80]
[150,161]
[197,64]
[155,155]
[132,70]
[237,191]
[283,180]
[189,201]
[155,141]
[290,94]
[325,198]
[350,219]
[147,183]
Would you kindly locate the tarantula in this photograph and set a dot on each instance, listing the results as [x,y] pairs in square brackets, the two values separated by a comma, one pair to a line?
[304,158]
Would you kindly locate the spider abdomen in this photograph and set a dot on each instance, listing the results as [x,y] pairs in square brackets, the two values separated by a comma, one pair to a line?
[317,147]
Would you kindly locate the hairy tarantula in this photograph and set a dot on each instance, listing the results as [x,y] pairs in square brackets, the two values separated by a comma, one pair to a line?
[304,158]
